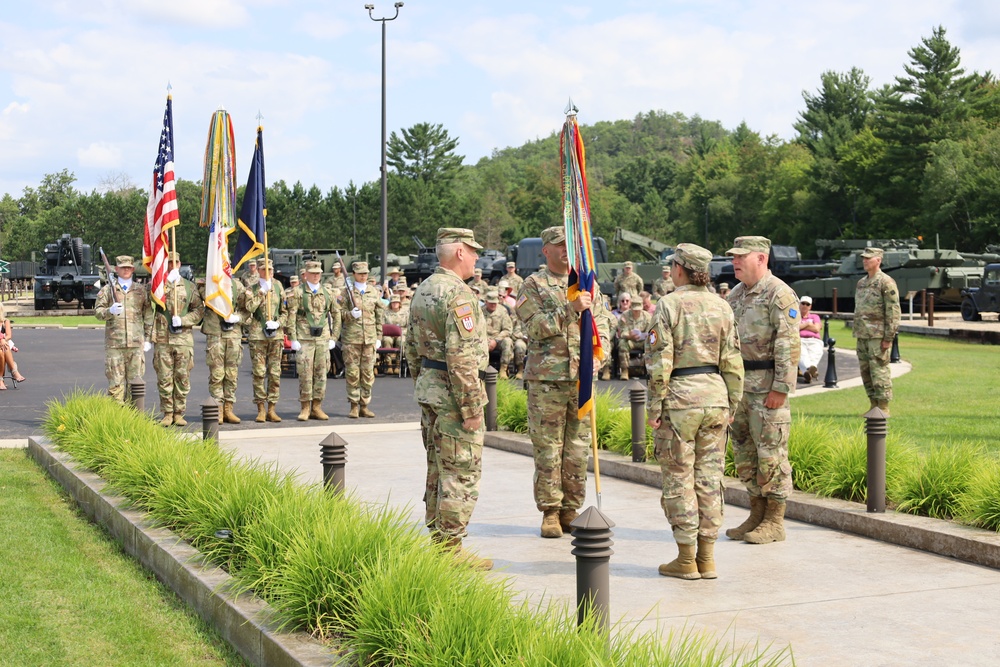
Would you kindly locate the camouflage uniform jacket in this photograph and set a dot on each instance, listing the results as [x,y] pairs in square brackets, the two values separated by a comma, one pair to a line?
[306,309]
[876,308]
[133,326]
[211,325]
[631,284]
[398,317]
[250,279]
[514,280]
[693,327]
[767,318]
[447,325]
[663,286]
[256,305]
[482,285]
[367,330]
[337,283]
[190,308]
[553,327]
[498,323]
[629,321]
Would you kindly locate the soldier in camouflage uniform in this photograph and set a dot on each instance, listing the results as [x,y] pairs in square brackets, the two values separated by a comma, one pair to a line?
[252,275]
[396,315]
[362,314]
[266,316]
[665,285]
[631,334]
[173,344]
[628,281]
[499,328]
[446,352]
[513,280]
[312,321]
[767,318]
[876,320]
[520,347]
[479,283]
[224,352]
[337,280]
[126,309]
[559,438]
[695,384]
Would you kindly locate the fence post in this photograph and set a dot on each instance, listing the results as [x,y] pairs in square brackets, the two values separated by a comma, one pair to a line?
[830,379]
[930,309]
[826,329]
[894,352]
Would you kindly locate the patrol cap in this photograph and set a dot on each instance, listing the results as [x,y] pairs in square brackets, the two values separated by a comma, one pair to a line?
[314,267]
[251,263]
[554,236]
[457,235]
[393,270]
[492,297]
[395,299]
[265,264]
[359,267]
[806,299]
[692,256]
[744,245]
[478,271]
[873,252]
[637,305]
[629,265]
[125,261]
[503,284]
[665,268]
[511,265]
[336,267]
[726,286]
[174,257]
[293,280]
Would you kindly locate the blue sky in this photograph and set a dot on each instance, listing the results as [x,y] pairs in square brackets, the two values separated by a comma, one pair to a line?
[83,84]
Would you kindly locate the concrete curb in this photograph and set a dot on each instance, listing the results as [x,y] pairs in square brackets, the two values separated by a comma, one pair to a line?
[945,538]
[244,621]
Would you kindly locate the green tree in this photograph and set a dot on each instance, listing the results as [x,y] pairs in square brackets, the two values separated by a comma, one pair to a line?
[425,152]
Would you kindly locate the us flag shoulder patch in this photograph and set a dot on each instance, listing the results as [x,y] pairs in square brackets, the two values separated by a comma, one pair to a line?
[520,300]
[464,310]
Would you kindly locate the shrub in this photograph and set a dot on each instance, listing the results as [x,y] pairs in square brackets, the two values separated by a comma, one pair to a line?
[512,407]
[810,450]
[980,506]
[846,476]
[935,485]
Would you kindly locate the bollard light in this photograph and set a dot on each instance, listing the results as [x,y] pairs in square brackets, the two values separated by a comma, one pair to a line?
[592,547]
[637,398]
[834,309]
[137,394]
[210,419]
[490,380]
[333,456]
[826,330]
[876,428]
[830,379]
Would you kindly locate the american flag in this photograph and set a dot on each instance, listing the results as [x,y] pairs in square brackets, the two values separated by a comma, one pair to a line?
[161,210]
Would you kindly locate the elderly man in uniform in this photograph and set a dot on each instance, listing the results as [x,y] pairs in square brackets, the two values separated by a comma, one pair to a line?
[173,344]
[446,351]
[514,281]
[127,312]
[478,281]
[559,438]
[876,320]
[767,318]
[628,281]
[313,324]
[695,384]
[224,351]
[663,285]
[631,333]
[499,329]
[362,313]
[266,315]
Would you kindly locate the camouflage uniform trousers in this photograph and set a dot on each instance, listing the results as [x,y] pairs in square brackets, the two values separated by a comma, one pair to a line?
[223,357]
[506,349]
[359,364]
[312,363]
[561,444]
[690,447]
[760,447]
[173,364]
[625,347]
[265,359]
[123,365]
[520,352]
[454,467]
[874,363]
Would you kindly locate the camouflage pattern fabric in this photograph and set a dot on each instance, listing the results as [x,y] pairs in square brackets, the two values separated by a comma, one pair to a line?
[312,362]
[122,366]
[876,319]
[399,318]
[223,355]
[631,283]
[173,364]
[630,322]
[124,335]
[481,284]
[760,447]
[307,309]
[447,326]
[515,281]
[265,353]
[500,327]
[359,370]
[360,339]
[663,286]
[520,344]
[261,307]
[874,364]
[265,362]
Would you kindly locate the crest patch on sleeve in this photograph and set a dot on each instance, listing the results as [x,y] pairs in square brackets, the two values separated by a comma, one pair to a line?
[792,313]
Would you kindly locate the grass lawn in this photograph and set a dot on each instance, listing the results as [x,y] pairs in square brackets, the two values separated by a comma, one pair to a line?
[947,397]
[65,320]
[71,596]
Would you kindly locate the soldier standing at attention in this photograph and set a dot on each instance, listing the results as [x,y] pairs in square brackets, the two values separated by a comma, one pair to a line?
[478,281]
[363,313]
[876,320]
[252,275]
[695,384]
[632,328]
[665,285]
[337,280]
[559,438]
[499,329]
[767,319]
[307,326]
[446,352]
[514,281]
[266,315]
[173,344]
[125,308]
[628,281]
[224,352]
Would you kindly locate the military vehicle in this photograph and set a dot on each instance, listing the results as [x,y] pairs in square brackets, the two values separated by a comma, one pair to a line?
[423,265]
[66,274]
[982,299]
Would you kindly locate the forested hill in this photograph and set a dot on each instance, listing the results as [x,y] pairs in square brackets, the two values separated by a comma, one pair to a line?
[915,158]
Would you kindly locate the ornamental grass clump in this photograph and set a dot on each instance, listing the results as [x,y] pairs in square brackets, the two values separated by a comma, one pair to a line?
[846,476]
[810,450]
[512,406]
[935,486]
[980,505]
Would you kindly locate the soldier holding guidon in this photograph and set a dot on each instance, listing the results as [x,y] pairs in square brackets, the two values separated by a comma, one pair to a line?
[126,309]
[224,352]
[308,320]
[876,320]
[267,314]
[362,313]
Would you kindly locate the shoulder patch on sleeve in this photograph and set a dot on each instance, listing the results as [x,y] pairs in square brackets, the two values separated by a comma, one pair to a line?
[520,300]
[792,313]
[463,310]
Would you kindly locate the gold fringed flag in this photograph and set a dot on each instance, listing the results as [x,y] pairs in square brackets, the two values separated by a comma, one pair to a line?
[218,212]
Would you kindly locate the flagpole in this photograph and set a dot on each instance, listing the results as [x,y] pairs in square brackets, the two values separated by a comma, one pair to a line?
[173,248]
[593,444]
[260,133]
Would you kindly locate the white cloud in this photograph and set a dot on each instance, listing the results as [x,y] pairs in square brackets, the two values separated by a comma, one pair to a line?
[100,155]
[322,26]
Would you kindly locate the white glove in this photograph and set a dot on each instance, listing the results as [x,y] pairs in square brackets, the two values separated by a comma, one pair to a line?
[147,346]
[233,318]
[333,344]
[176,321]
[265,285]
[116,309]
[271,324]
[174,276]
[356,313]
[296,346]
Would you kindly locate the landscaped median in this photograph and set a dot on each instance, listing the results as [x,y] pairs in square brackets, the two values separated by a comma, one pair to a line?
[359,577]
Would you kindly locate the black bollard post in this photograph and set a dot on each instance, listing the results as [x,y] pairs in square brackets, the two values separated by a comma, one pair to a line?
[894,353]
[876,427]
[637,397]
[491,398]
[137,391]
[826,330]
[592,548]
[333,456]
[830,380]
[210,419]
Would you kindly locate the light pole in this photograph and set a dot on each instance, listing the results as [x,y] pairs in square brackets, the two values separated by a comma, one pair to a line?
[385,186]
[354,198]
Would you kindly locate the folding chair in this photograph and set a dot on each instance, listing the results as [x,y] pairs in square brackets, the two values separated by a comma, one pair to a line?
[385,354]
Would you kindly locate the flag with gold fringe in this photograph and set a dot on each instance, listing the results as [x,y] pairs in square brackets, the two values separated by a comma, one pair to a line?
[218,212]
[252,238]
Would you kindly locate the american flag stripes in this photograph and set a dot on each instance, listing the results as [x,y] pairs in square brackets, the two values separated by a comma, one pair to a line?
[161,210]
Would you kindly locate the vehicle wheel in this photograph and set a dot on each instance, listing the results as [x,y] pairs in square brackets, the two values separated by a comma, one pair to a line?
[969,311]
[88,304]
[78,251]
[39,305]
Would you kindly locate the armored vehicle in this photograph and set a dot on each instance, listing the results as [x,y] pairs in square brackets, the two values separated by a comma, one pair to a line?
[982,299]
[66,274]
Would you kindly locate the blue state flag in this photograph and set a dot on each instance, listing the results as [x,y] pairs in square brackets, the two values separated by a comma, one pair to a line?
[252,227]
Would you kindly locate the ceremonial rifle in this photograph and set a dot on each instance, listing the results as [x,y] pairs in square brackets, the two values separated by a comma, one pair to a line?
[110,272]
[350,294]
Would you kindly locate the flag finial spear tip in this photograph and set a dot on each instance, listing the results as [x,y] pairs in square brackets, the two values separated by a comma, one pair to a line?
[169,89]
[570,108]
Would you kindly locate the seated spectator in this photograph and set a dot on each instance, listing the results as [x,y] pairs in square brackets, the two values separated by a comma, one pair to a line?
[7,350]
[624,304]
[812,344]
[647,302]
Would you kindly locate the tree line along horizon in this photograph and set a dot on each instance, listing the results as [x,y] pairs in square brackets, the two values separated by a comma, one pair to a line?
[916,158]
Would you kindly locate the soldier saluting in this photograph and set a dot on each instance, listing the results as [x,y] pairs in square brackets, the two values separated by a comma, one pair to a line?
[125,308]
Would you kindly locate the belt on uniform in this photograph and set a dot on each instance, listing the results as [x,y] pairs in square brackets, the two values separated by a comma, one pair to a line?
[758,365]
[442,366]
[693,370]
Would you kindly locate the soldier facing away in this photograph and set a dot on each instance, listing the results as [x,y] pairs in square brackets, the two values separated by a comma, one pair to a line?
[362,313]
[876,320]
[125,307]
[267,315]
[313,324]
[695,384]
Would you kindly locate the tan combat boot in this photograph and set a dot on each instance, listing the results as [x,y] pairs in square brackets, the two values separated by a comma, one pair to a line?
[682,567]
[168,419]
[261,413]
[466,557]
[179,419]
[353,414]
[317,411]
[502,375]
[884,407]
[550,524]
[706,559]
[623,376]
[365,412]
[757,506]
[228,415]
[772,528]
[304,413]
[606,373]
[566,517]
[272,416]
[519,375]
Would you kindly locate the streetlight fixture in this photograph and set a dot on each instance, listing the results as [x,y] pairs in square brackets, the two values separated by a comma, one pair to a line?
[385,186]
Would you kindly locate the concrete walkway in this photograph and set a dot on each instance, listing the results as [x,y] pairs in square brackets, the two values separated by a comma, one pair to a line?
[835,598]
